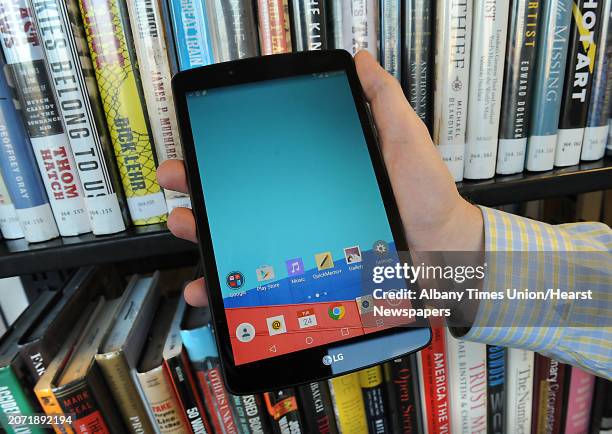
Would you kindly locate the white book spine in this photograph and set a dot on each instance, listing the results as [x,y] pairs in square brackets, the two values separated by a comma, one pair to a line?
[467,373]
[9,222]
[511,155]
[452,76]
[490,24]
[519,391]
[594,143]
[360,26]
[569,146]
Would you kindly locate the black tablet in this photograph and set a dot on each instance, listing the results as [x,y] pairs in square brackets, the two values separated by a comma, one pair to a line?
[294,211]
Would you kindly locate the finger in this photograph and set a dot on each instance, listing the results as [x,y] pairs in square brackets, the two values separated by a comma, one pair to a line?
[195,293]
[171,175]
[182,224]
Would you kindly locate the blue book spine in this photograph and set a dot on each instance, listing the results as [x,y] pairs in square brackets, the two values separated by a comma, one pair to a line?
[191,32]
[496,382]
[548,83]
[20,171]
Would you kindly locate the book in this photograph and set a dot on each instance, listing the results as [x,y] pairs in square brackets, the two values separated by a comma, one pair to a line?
[596,131]
[168,28]
[80,388]
[349,407]
[191,33]
[150,42]
[314,400]
[120,350]
[9,222]
[54,157]
[452,79]
[335,26]
[433,369]
[309,24]
[204,359]
[14,299]
[284,412]
[177,367]
[255,415]
[580,387]
[490,18]
[582,52]
[359,21]
[518,391]
[467,381]
[552,43]
[404,395]
[19,170]
[64,45]
[601,412]
[274,26]
[496,384]
[548,385]
[518,80]
[233,29]
[372,385]
[391,37]
[155,383]
[110,44]
[417,57]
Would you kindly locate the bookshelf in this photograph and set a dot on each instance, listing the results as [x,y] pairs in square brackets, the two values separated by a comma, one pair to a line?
[141,243]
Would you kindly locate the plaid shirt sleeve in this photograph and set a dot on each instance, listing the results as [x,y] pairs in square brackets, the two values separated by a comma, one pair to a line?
[577,255]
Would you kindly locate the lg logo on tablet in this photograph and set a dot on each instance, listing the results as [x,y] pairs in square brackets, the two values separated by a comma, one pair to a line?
[328,360]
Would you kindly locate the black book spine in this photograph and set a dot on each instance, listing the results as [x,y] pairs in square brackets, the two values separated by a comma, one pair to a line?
[308,24]
[496,380]
[602,407]
[256,421]
[417,57]
[374,399]
[317,408]
[403,395]
[284,412]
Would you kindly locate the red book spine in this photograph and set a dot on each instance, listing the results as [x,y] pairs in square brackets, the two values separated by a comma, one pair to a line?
[548,393]
[435,384]
[87,418]
[274,29]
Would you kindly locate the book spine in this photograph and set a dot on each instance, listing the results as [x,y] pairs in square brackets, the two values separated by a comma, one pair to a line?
[467,372]
[152,54]
[9,222]
[404,397]
[596,131]
[284,412]
[360,26]
[486,78]
[390,36]
[518,79]
[163,401]
[184,387]
[61,50]
[317,408]
[372,388]
[14,402]
[600,419]
[54,157]
[255,414]
[77,399]
[452,69]
[496,384]
[584,34]
[18,169]
[553,39]
[417,57]
[335,24]
[274,26]
[579,401]
[109,40]
[519,391]
[233,29]
[191,33]
[548,396]
[348,404]
[116,372]
[309,25]
[51,406]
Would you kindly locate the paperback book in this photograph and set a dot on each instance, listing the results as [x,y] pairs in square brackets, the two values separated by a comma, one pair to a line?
[284,412]
[348,402]
[359,21]
[233,29]
[317,408]
[309,24]
[404,395]
[274,26]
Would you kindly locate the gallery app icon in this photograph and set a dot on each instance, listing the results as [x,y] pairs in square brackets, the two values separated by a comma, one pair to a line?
[324,261]
[306,318]
[234,280]
[336,311]
[352,255]
[276,325]
[265,273]
[295,267]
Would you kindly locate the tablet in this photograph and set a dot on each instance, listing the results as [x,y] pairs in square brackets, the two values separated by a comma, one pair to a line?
[294,210]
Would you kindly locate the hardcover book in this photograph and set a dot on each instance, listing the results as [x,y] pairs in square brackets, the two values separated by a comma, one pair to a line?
[233,29]
[404,395]
[579,401]
[317,408]
[9,222]
[496,384]
[348,403]
[309,24]
[284,412]
[391,37]
[548,390]
[191,33]
[274,26]
[359,23]
[519,391]
[374,399]
[254,414]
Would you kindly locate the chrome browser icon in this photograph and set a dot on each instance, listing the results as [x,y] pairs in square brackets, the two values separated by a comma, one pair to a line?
[336,311]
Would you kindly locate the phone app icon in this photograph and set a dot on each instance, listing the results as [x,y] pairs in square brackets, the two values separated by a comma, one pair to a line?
[295,267]
[265,273]
[235,279]
[352,255]
[336,311]
[276,325]
[306,318]
[324,261]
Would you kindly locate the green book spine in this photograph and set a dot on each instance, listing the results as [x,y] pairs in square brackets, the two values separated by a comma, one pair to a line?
[14,401]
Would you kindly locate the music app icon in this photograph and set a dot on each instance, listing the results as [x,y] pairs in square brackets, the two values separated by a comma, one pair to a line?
[295,267]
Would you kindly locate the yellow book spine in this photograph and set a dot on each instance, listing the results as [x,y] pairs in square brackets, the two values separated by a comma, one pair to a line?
[348,404]
[50,406]
[106,26]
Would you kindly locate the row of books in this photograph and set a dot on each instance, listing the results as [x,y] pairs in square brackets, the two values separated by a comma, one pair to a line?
[115,357]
